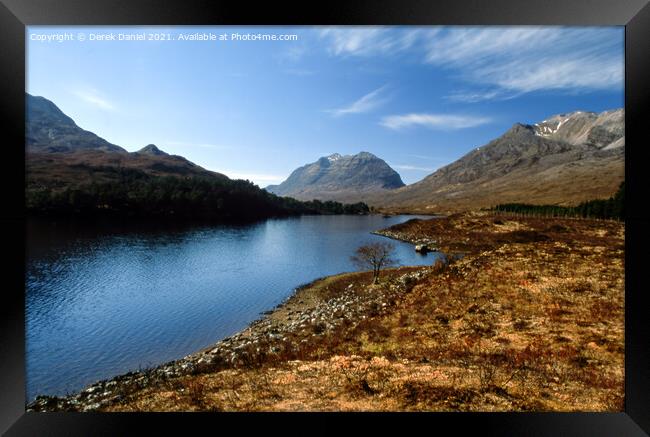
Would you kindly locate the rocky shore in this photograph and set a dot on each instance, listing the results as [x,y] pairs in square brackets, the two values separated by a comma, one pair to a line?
[531,318]
[313,311]
[406,239]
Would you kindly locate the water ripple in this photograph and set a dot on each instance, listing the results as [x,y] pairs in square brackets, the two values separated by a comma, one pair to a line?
[102,302]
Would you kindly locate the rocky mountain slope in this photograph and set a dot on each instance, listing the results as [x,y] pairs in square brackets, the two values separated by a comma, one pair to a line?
[566,159]
[48,129]
[60,153]
[337,177]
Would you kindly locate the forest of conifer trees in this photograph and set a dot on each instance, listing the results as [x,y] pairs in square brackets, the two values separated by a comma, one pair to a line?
[612,208]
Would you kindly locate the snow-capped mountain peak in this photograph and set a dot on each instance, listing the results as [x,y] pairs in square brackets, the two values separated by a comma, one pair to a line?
[334,157]
[583,127]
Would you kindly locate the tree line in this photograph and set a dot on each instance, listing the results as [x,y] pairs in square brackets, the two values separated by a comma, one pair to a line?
[612,208]
[134,193]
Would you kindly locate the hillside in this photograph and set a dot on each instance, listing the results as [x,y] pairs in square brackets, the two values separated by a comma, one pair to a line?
[61,154]
[566,159]
[49,130]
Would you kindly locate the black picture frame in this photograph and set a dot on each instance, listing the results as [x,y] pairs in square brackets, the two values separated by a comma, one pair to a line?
[16,14]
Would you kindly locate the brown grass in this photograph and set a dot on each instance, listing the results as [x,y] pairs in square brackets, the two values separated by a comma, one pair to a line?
[531,319]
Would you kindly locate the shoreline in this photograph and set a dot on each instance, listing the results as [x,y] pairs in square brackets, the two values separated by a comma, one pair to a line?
[530,319]
[302,314]
[186,363]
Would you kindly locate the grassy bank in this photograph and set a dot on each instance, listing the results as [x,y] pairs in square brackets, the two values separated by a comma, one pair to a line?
[530,319]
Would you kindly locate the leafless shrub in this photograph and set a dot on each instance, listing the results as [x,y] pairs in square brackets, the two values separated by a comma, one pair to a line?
[375,256]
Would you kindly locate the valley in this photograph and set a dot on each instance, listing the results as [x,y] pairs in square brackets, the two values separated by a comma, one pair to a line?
[514,313]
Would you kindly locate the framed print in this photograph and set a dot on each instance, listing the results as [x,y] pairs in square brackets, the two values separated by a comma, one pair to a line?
[361,211]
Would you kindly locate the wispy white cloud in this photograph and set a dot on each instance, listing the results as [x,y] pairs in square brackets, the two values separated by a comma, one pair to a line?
[433,121]
[472,96]
[511,61]
[479,44]
[296,52]
[93,97]
[588,72]
[367,103]
[293,53]
[428,158]
[412,167]
[498,62]
[371,40]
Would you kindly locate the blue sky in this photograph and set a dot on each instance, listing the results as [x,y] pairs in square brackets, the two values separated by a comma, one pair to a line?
[417,97]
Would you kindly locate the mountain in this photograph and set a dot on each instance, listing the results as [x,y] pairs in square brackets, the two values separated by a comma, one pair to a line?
[338,177]
[564,160]
[603,131]
[151,149]
[71,171]
[48,129]
[60,152]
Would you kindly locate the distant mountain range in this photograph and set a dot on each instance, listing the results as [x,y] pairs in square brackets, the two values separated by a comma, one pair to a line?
[73,171]
[338,177]
[565,159]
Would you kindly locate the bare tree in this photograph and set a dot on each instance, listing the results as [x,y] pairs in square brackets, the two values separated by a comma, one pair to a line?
[374,256]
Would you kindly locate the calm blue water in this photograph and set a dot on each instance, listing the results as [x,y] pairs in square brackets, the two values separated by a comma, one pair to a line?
[101,302]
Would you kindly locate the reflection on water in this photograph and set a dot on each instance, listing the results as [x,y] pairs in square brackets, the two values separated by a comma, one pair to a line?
[103,300]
